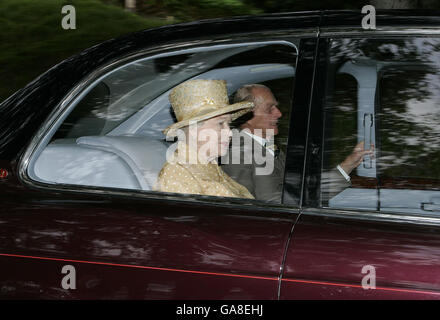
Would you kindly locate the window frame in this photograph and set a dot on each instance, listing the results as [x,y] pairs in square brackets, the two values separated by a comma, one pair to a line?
[62,110]
[316,108]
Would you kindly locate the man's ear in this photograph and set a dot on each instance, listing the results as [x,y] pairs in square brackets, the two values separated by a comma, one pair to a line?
[237,123]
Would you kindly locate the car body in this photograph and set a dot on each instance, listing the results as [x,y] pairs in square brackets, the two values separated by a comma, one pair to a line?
[128,242]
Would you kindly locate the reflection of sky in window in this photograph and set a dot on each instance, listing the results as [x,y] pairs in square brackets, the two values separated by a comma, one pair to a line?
[416,49]
[426,114]
[416,129]
[389,47]
[422,140]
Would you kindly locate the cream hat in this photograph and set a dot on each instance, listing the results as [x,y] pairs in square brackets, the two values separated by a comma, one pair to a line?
[196,100]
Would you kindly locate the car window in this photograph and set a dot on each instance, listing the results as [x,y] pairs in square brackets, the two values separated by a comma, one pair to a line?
[112,134]
[384,93]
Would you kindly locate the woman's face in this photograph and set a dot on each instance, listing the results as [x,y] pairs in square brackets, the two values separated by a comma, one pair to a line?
[214,136]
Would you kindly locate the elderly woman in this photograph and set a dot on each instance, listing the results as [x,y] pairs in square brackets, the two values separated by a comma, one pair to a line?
[203,113]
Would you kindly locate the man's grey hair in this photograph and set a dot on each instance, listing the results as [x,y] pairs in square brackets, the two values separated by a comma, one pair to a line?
[245,92]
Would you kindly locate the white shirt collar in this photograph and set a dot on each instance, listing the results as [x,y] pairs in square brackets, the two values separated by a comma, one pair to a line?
[259,139]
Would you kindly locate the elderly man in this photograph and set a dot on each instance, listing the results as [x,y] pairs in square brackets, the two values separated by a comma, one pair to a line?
[261,129]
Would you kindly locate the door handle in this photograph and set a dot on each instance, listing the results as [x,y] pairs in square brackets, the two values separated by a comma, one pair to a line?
[430,206]
[368,127]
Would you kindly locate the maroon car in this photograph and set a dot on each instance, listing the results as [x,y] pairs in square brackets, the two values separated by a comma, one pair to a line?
[81,147]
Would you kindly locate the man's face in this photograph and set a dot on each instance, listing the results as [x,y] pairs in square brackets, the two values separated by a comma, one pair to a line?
[266,112]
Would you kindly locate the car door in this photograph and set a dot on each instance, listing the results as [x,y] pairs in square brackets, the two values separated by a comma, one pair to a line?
[378,238]
[79,223]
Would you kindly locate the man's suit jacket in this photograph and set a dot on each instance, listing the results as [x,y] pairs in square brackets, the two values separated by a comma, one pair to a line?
[269,187]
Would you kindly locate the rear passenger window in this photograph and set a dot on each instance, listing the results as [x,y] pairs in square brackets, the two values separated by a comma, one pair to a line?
[384,94]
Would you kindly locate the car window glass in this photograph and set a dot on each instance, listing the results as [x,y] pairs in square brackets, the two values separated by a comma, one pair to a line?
[409,110]
[113,136]
[384,93]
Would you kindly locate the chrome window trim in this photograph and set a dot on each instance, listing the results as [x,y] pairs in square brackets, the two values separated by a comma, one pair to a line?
[248,205]
[74,94]
[379,31]
[373,216]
